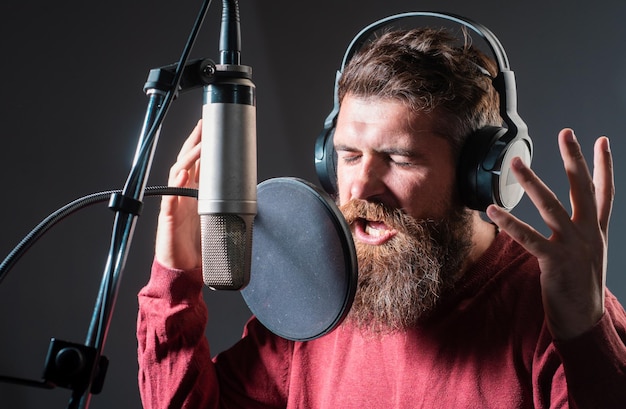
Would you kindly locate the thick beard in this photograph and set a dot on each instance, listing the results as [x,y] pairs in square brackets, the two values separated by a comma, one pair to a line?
[401,281]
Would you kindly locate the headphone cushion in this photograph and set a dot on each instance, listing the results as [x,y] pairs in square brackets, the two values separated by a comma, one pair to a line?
[326,160]
[474,173]
[484,170]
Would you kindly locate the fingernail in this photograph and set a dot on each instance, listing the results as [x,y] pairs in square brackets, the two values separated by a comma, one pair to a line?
[570,136]
[517,163]
[492,212]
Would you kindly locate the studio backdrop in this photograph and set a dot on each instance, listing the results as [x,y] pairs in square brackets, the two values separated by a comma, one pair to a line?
[73,105]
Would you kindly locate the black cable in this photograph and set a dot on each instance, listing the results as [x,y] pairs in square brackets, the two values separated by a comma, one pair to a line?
[80,203]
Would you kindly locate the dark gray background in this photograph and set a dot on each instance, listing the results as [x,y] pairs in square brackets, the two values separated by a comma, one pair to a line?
[72,105]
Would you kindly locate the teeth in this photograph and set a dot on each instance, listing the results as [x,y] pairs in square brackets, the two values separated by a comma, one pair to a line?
[372,231]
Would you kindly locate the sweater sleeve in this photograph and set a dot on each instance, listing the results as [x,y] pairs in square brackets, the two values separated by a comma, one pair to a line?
[595,362]
[255,372]
[175,367]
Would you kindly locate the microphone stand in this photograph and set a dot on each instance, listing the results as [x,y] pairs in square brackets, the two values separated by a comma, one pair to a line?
[82,367]
[85,363]
[127,206]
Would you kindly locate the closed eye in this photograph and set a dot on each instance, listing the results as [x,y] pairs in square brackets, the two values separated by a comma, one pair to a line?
[347,155]
[349,158]
[396,157]
[402,161]
[403,158]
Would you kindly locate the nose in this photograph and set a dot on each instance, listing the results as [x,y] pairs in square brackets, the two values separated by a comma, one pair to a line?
[367,180]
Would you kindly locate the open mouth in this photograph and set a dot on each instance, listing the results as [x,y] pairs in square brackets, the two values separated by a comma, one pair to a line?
[373,232]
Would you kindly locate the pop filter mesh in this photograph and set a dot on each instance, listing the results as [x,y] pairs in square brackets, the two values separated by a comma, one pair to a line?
[304,271]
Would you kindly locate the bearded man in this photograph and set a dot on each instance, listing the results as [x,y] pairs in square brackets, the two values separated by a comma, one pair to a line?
[452,310]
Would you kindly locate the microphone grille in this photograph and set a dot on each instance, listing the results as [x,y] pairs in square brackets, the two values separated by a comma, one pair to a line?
[226,250]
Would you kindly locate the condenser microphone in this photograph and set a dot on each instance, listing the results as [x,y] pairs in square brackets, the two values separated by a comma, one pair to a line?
[227,202]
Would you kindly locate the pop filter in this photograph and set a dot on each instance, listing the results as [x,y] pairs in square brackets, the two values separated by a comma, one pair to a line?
[304,269]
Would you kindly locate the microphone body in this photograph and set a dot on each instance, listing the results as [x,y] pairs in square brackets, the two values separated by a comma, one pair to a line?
[227,192]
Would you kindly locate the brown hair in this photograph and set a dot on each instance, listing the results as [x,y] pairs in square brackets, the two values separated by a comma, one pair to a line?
[428,70]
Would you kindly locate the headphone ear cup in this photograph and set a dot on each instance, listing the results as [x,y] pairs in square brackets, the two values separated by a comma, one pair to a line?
[484,171]
[474,187]
[326,160]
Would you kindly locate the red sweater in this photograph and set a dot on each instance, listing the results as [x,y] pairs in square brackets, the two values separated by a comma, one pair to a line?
[487,346]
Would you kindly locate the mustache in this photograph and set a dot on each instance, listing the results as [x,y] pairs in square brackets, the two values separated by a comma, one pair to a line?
[358,209]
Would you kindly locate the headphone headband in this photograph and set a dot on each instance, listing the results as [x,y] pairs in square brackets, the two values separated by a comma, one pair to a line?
[494,44]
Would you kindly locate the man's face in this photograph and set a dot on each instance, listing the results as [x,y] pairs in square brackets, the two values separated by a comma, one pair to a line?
[396,189]
[389,156]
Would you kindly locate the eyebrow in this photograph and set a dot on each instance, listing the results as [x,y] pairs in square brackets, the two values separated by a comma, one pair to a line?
[399,152]
[388,151]
[344,148]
